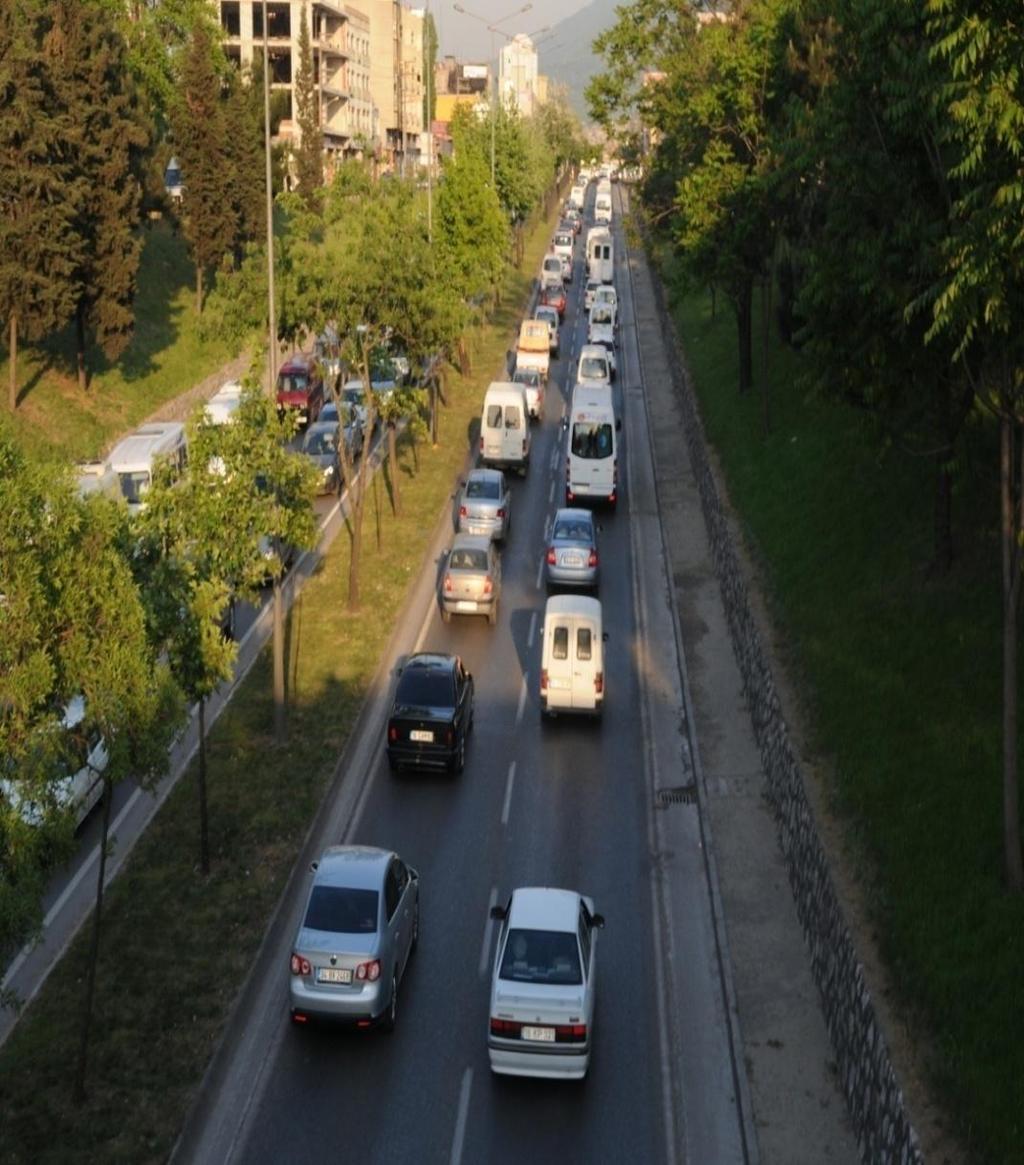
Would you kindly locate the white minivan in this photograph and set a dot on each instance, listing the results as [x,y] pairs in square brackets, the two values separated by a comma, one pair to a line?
[603,204]
[572,656]
[135,457]
[505,427]
[591,461]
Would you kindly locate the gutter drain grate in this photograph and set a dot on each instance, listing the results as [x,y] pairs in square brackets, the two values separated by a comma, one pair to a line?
[680,795]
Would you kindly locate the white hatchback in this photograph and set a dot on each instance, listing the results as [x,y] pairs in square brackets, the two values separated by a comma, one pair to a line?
[542,990]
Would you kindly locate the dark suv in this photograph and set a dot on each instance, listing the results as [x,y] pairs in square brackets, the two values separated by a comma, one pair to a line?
[300,386]
[432,714]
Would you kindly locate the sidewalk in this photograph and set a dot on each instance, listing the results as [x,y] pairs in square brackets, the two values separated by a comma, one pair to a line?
[799,1110]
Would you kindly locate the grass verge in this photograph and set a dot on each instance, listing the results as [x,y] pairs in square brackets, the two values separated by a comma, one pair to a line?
[901,671]
[175,945]
[165,358]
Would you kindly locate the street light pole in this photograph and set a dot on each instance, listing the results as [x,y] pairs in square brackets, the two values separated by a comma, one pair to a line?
[271,309]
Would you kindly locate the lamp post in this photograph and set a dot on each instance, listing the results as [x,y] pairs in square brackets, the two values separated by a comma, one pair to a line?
[271,310]
[492,27]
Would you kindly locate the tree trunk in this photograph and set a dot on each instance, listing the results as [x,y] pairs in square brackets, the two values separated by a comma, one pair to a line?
[766,392]
[83,376]
[204,825]
[12,369]
[94,953]
[396,493]
[357,541]
[280,711]
[942,550]
[1011,500]
[745,335]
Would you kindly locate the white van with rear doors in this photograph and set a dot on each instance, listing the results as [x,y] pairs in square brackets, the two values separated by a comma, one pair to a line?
[572,656]
[505,427]
[591,461]
[600,256]
[603,204]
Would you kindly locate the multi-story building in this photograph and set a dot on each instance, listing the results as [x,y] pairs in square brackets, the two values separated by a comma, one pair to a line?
[367,61]
[517,74]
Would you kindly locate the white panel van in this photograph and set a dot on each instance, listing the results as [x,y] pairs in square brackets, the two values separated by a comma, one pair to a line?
[603,204]
[134,457]
[591,462]
[572,656]
[505,427]
[600,255]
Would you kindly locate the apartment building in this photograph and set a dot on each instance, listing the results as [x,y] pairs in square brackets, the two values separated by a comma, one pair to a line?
[367,60]
[517,74]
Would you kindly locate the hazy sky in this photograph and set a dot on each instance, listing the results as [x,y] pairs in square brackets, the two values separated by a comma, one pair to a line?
[466,37]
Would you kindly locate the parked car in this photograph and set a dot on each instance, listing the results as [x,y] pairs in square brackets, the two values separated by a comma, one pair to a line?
[360,925]
[485,504]
[300,386]
[472,579]
[554,296]
[320,445]
[572,557]
[550,315]
[543,984]
[431,715]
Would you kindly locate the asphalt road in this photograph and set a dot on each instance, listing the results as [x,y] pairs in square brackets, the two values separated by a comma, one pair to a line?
[570,803]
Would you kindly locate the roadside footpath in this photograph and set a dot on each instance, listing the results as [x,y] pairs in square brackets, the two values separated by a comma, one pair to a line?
[799,1110]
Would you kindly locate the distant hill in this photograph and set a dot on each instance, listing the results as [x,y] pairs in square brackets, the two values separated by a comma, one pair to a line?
[568,58]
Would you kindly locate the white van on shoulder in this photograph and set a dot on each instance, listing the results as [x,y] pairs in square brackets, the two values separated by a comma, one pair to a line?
[572,656]
[505,427]
[222,406]
[591,461]
[134,457]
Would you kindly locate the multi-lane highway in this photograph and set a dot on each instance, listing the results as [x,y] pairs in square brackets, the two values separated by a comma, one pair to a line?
[571,803]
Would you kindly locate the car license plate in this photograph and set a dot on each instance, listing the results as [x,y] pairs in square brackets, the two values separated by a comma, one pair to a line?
[572,560]
[478,529]
[465,605]
[333,975]
[421,736]
[543,1035]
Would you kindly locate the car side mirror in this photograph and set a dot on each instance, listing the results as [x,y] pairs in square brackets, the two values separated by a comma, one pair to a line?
[597,920]
[604,636]
[314,866]
[499,913]
[618,424]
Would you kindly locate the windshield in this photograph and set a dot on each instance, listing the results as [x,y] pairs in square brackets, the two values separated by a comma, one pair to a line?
[342,911]
[485,488]
[425,688]
[571,531]
[593,368]
[353,396]
[591,440]
[541,956]
[468,558]
[134,485]
[292,382]
[326,441]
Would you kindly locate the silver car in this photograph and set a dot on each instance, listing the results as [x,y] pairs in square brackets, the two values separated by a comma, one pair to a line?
[359,927]
[543,987]
[472,579]
[572,558]
[485,504]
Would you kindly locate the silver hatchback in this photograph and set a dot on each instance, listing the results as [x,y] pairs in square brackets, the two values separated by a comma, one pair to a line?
[485,504]
[472,579]
[572,558]
[359,927]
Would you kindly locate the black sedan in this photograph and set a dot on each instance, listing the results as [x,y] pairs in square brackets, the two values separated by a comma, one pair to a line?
[432,714]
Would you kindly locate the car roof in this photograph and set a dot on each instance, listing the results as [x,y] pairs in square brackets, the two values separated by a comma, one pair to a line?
[299,362]
[354,866]
[430,659]
[594,350]
[574,605]
[327,426]
[544,908]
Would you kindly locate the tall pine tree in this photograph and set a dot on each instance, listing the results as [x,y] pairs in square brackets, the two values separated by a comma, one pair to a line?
[246,160]
[104,141]
[309,162]
[200,135]
[38,246]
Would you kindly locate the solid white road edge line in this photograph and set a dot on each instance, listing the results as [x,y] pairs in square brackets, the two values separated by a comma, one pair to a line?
[460,1121]
[508,793]
[485,950]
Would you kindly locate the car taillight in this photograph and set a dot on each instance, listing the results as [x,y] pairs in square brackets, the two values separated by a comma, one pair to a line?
[592,560]
[300,965]
[570,1033]
[543,679]
[551,556]
[500,513]
[392,732]
[481,444]
[524,446]
[448,582]
[369,971]
[463,512]
[488,586]
[508,1028]
[599,683]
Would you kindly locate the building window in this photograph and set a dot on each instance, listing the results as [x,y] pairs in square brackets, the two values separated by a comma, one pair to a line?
[279,21]
[230,21]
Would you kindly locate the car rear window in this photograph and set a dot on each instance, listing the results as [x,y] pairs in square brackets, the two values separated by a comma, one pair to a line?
[560,643]
[591,440]
[572,531]
[341,910]
[541,956]
[482,489]
[593,368]
[290,382]
[468,558]
[425,687]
